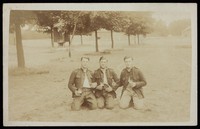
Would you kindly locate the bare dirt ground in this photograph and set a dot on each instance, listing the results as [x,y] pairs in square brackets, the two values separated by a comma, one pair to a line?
[40,92]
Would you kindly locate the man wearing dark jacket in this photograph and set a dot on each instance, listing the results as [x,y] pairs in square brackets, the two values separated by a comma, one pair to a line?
[132,80]
[81,84]
[107,81]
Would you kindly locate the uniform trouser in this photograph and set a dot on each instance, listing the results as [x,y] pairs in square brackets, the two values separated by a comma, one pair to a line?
[138,103]
[106,100]
[86,97]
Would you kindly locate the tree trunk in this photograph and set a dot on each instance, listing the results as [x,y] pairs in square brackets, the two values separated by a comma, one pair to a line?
[73,33]
[81,39]
[135,39]
[129,40]
[70,40]
[138,38]
[52,44]
[19,47]
[112,38]
[70,55]
[96,39]
[14,37]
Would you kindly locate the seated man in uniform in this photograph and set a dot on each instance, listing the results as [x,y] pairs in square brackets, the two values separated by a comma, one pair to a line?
[106,80]
[133,81]
[81,84]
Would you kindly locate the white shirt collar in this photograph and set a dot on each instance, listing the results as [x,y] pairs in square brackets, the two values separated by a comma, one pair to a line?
[103,70]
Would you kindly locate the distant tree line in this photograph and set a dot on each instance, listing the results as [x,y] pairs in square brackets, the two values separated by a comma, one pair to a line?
[175,28]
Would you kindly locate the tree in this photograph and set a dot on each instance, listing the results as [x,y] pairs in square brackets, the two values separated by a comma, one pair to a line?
[129,25]
[105,19]
[112,22]
[83,25]
[96,21]
[46,20]
[138,23]
[19,18]
[130,29]
[67,23]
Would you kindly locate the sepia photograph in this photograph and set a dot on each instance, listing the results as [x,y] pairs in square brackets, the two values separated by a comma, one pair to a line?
[78,64]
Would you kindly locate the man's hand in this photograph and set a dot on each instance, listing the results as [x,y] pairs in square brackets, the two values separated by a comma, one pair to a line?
[78,92]
[133,84]
[113,83]
[108,89]
[93,85]
[100,87]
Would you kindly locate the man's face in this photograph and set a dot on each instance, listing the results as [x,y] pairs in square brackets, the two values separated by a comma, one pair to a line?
[103,63]
[84,63]
[128,62]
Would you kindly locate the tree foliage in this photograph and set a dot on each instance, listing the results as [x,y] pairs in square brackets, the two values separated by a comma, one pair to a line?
[83,24]
[21,17]
[47,19]
[137,23]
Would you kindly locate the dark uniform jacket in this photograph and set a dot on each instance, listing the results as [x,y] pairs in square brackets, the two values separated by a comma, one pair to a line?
[76,79]
[136,76]
[111,76]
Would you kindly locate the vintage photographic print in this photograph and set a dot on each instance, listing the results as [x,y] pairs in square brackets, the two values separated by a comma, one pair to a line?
[99,64]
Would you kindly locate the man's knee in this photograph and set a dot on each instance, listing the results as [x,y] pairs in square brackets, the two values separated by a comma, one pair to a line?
[100,105]
[100,102]
[110,103]
[123,104]
[138,104]
[93,106]
[75,107]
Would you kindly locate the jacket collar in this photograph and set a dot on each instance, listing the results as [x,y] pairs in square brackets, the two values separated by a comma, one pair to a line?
[103,69]
[84,70]
[129,70]
[100,70]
